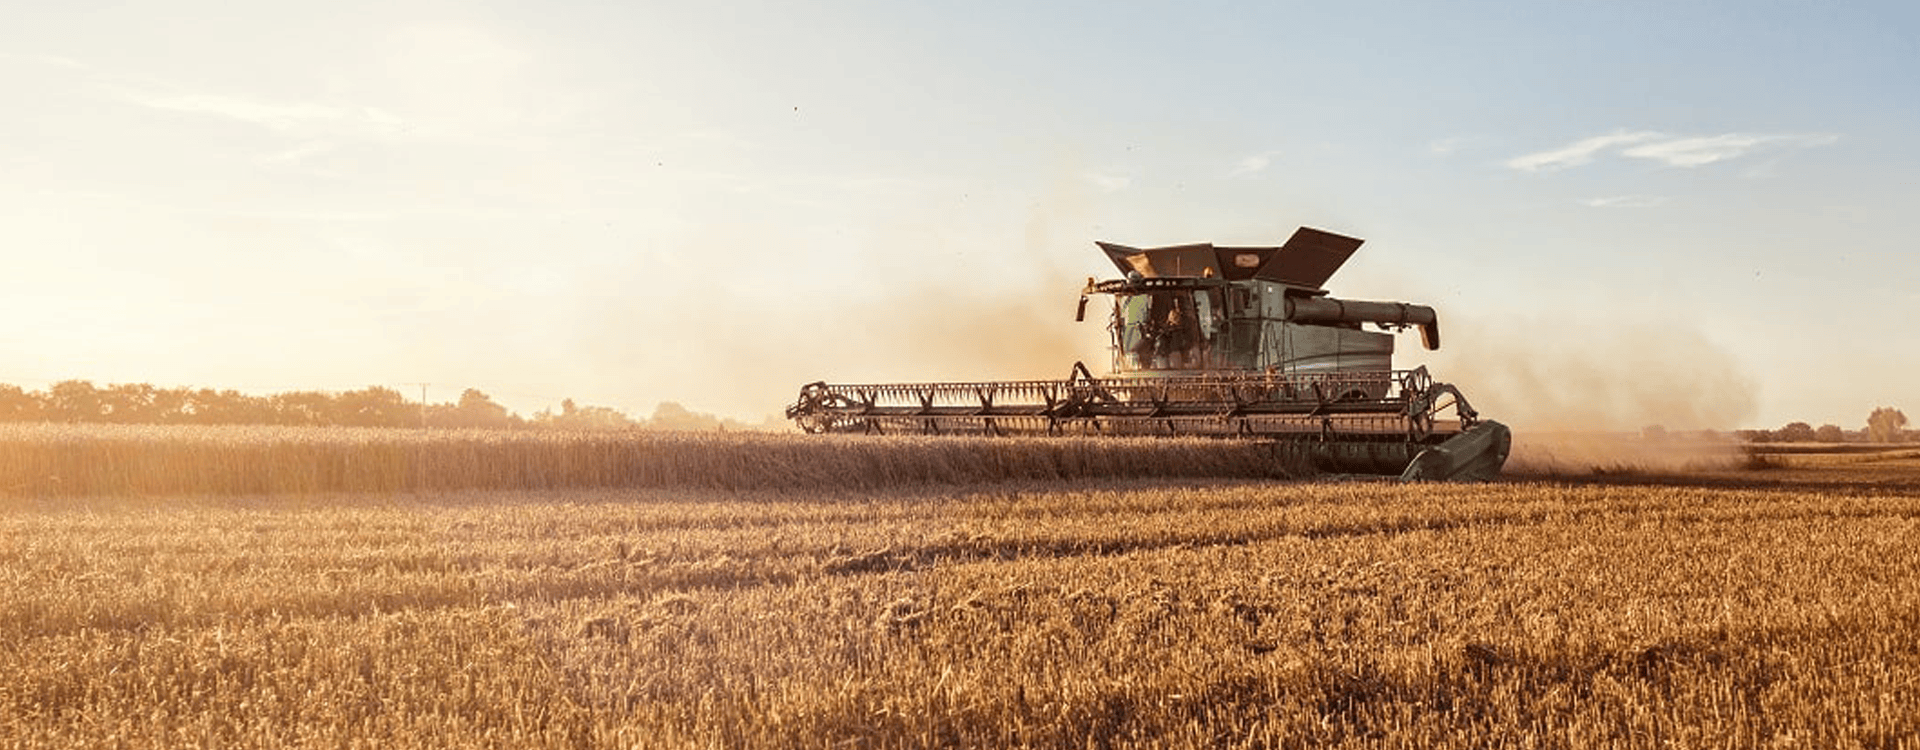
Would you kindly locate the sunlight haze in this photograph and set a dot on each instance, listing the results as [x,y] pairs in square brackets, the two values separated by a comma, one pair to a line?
[1695,214]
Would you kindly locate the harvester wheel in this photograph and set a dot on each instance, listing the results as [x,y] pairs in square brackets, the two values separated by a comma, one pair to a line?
[820,417]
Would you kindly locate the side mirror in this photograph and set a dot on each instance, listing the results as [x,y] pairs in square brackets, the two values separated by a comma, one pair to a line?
[1080,315]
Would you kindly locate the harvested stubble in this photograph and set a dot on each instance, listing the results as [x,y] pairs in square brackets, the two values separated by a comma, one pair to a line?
[51,460]
[1224,615]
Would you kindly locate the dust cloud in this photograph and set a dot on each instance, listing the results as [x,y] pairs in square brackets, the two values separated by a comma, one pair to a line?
[1583,453]
[1569,376]
[950,334]
[1585,397]
[913,300]
[925,333]
[921,296]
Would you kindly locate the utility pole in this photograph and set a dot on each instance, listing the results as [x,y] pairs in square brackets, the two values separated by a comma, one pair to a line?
[423,403]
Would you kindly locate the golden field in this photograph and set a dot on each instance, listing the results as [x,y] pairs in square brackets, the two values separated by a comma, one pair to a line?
[66,460]
[924,604]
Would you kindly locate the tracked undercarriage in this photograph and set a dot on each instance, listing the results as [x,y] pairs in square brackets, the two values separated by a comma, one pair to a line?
[1228,342]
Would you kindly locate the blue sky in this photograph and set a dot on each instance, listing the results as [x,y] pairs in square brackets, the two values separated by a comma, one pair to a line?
[1695,214]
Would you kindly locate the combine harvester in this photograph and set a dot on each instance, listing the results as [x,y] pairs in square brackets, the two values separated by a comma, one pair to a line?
[1230,342]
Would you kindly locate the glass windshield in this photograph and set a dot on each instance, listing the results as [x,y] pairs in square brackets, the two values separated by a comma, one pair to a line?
[1166,330]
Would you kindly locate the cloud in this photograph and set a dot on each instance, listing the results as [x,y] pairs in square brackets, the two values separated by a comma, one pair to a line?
[1254,164]
[296,155]
[1444,146]
[279,116]
[1695,152]
[342,217]
[302,116]
[1624,201]
[1108,183]
[55,61]
[276,115]
[1673,151]
[1579,152]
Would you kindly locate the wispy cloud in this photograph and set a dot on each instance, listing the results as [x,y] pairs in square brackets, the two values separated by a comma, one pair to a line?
[1108,183]
[1624,201]
[1254,164]
[296,154]
[278,115]
[1694,152]
[55,61]
[1673,151]
[335,217]
[300,157]
[1579,152]
[282,115]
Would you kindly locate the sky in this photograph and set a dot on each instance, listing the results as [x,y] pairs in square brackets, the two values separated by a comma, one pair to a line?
[1694,214]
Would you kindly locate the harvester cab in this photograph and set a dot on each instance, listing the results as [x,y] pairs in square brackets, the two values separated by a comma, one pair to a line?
[1206,340]
[1206,308]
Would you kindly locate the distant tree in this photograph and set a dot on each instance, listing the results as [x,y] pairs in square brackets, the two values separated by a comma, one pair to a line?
[73,401]
[1883,425]
[209,406]
[575,417]
[169,406]
[1653,432]
[17,405]
[127,403]
[604,418]
[483,409]
[303,408]
[475,409]
[672,416]
[375,407]
[1795,432]
[1830,433]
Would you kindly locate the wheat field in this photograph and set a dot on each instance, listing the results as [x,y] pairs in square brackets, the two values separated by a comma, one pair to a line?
[68,460]
[1772,609]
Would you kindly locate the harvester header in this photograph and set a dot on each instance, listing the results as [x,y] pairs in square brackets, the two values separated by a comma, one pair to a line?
[1222,341]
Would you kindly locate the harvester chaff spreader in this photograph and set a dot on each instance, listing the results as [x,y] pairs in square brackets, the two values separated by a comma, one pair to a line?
[1231,342]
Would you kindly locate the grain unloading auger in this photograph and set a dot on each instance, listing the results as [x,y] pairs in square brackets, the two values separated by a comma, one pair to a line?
[1233,342]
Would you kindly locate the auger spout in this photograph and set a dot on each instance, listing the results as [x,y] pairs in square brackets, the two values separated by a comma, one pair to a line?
[1327,310]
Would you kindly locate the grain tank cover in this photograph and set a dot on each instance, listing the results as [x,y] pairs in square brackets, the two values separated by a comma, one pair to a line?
[1174,260]
[1307,260]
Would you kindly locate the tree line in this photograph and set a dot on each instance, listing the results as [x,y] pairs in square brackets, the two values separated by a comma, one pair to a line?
[1884,425]
[374,406]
